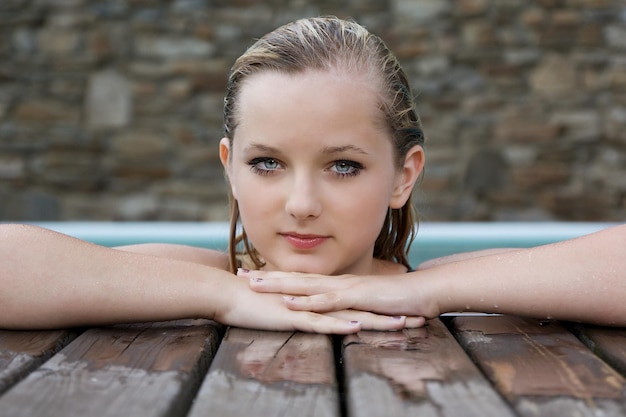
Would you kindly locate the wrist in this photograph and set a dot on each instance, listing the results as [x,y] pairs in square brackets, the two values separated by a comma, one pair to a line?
[221,290]
[439,292]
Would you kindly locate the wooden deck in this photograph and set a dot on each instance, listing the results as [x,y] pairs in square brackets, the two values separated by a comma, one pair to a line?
[456,366]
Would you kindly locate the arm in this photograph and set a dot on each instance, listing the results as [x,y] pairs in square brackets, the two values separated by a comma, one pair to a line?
[184,253]
[582,279]
[50,280]
[461,257]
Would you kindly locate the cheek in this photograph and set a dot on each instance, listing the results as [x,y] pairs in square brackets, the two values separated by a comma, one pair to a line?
[256,200]
[368,203]
[239,182]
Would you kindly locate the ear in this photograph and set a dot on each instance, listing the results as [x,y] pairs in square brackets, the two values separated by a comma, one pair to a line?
[225,158]
[407,177]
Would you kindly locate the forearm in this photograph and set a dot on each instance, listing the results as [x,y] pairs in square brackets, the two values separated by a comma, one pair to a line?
[462,256]
[180,252]
[48,280]
[582,279]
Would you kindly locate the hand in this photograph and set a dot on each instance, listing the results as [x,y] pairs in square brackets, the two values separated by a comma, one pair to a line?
[332,295]
[247,308]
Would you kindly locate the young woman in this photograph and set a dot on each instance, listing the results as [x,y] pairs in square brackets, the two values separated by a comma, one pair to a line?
[322,149]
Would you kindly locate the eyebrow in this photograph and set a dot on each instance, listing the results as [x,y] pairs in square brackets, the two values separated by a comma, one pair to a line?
[259,147]
[345,148]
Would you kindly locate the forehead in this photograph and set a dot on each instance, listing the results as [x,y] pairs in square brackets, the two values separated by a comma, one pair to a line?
[311,100]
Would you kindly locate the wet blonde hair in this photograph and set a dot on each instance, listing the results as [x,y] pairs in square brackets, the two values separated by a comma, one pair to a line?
[327,43]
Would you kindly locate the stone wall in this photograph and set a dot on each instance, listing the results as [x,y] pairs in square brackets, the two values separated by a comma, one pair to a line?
[111,110]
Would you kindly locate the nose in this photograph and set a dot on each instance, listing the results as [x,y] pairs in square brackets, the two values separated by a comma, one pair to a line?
[303,198]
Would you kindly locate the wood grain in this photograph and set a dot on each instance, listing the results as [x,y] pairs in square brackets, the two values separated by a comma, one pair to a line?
[23,351]
[609,343]
[141,370]
[257,373]
[541,367]
[415,372]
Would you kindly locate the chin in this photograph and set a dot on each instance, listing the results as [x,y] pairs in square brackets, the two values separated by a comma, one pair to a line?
[313,270]
[305,268]
[312,264]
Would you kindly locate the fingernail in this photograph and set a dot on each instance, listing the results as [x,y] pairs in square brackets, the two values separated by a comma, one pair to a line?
[242,271]
[288,297]
[354,323]
[399,317]
[256,279]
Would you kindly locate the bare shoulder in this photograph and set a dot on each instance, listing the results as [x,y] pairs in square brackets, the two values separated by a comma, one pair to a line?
[17,233]
[18,229]
[194,254]
[382,267]
[462,256]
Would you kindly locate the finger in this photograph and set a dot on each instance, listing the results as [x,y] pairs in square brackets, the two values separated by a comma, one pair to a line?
[293,284]
[256,273]
[371,321]
[415,322]
[336,301]
[319,303]
[319,323]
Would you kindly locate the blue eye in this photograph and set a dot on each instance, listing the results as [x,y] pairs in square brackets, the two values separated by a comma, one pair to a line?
[264,166]
[269,164]
[345,168]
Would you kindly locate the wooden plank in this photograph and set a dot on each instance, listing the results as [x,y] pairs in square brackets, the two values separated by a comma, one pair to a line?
[542,368]
[415,372]
[147,370]
[607,342]
[257,373]
[23,351]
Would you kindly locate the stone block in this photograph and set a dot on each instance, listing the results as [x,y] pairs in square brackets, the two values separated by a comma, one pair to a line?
[136,176]
[616,36]
[487,170]
[526,131]
[579,126]
[540,174]
[533,17]
[67,169]
[565,18]
[29,205]
[137,207]
[108,101]
[588,205]
[479,34]
[615,124]
[556,75]
[420,11]
[169,47]
[12,167]
[471,8]
[82,206]
[44,110]
[58,42]
[138,145]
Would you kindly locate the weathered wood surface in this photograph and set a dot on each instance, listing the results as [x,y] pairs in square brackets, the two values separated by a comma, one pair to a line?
[23,351]
[139,370]
[415,372]
[267,374]
[541,368]
[492,366]
[606,342]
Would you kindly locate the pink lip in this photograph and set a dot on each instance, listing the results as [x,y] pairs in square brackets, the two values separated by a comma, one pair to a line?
[304,242]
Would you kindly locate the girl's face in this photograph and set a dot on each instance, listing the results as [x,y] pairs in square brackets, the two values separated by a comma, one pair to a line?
[312,168]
